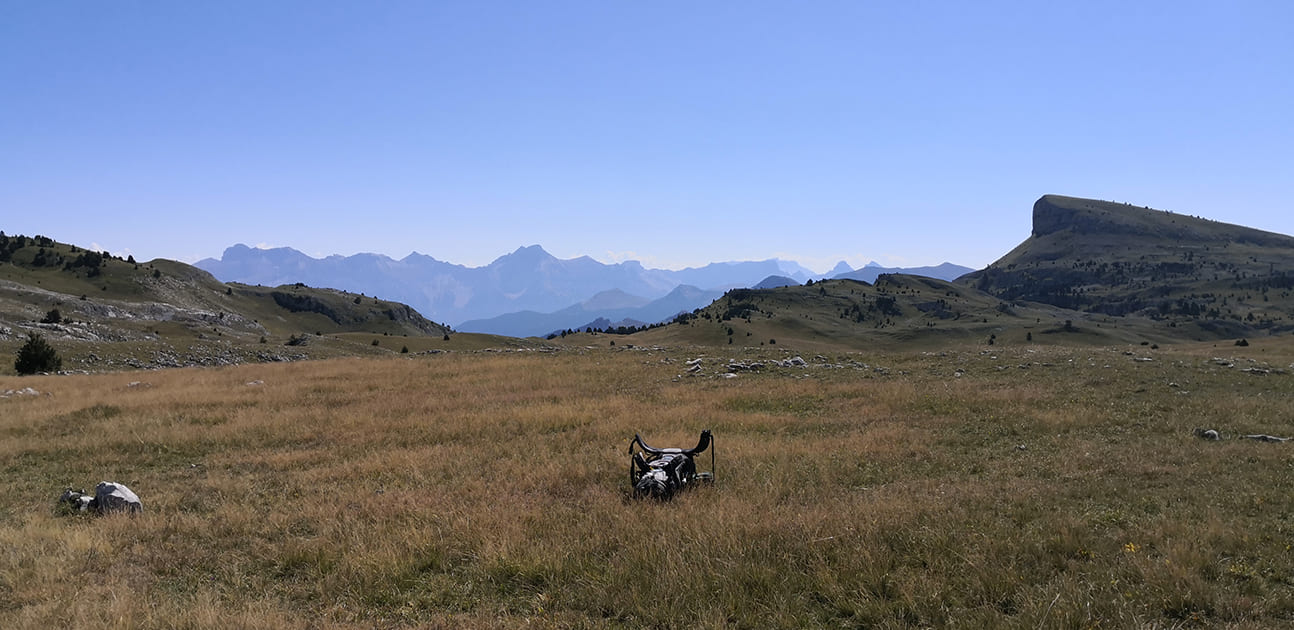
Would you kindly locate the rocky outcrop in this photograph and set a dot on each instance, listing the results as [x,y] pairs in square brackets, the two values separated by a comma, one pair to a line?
[1117,259]
[109,497]
[1053,214]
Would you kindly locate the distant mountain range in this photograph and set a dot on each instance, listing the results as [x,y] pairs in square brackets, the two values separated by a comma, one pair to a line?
[527,292]
[870,272]
[609,308]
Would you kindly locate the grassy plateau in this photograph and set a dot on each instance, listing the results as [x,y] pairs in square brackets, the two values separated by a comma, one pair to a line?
[969,487]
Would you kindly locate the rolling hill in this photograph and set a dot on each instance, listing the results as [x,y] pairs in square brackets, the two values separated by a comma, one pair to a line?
[896,311]
[108,311]
[1091,272]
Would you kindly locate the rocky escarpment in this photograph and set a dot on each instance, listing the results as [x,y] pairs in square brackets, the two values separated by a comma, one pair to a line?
[1118,259]
[1056,214]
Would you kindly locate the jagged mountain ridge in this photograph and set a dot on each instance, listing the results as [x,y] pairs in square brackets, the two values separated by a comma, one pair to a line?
[526,280]
[609,306]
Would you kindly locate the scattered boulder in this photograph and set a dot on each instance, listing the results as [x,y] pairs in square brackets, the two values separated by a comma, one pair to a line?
[109,497]
[115,497]
[1207,434]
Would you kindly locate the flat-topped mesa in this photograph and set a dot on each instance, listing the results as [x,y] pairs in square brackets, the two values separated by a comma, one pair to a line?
[1056,213]
[1053,213]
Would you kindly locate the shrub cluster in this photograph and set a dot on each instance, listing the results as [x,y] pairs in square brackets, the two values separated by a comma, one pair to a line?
[37,356]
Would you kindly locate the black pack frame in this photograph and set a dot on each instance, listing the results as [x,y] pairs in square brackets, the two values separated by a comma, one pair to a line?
[660,472]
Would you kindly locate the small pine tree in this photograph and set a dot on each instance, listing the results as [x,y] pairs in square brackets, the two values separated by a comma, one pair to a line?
[52,317]
[37,356]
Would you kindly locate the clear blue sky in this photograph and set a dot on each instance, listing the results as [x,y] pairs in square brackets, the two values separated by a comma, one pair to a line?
[675,133]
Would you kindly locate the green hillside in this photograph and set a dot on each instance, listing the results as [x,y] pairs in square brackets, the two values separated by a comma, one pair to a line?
[1203,277]
[104,312]
[896,311]
[1092,272]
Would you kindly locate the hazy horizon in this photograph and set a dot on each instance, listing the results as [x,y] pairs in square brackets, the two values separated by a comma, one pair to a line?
[824,270]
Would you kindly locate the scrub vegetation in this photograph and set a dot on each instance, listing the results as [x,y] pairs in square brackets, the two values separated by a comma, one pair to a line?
[1008,486]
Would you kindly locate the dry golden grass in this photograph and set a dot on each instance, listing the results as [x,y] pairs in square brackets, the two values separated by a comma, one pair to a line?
[1022,487]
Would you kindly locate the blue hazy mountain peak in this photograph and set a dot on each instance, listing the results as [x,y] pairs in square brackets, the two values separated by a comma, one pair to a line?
[527,279]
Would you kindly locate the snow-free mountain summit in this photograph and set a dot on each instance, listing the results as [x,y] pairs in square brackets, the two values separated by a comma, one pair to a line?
[528,279]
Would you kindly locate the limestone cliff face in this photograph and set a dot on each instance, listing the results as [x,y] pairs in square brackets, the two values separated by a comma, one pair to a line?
[1053,214]
[1119,259]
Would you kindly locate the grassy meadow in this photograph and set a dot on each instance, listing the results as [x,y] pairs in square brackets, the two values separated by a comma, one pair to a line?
[973,487]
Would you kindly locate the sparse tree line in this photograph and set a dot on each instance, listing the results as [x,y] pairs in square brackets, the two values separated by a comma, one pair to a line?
[9,245]
[609,330]
[880,310]
[1050,280]
[1084,285]
[46,255]
[743,304]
